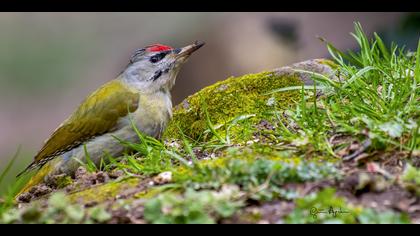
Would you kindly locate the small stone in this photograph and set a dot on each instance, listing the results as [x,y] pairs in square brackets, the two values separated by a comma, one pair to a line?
[41,190]
[373,204]
[102,177]
[250,142]
[116,173]
[222,87]
[91,204]
[25,197]
[263,222]
[185,105]
[172,144]
[80,172]
[163,178]
[59,181]
[271,101]
[379,90]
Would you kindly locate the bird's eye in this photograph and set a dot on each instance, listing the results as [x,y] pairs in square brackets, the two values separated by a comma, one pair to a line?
[157,57]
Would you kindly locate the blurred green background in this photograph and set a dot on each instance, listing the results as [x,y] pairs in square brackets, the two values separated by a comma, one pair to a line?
[50,61]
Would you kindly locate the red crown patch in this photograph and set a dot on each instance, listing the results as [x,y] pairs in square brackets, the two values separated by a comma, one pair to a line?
[157,48]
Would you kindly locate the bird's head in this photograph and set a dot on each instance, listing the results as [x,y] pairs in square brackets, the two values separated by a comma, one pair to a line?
[156,66]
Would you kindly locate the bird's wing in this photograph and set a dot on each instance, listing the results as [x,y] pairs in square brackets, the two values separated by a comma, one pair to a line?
[97,114]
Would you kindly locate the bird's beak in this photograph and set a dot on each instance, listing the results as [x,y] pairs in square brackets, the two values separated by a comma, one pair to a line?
[186,51]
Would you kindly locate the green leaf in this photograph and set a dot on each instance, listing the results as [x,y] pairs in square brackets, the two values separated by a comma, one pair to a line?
[99,214]
[382,47]
[58,200]
[75,212]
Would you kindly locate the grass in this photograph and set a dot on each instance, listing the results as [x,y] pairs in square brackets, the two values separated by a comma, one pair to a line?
[378,100]
[89,164]
[7,197]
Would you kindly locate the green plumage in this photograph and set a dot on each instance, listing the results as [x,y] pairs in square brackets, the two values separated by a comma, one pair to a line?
[96,115]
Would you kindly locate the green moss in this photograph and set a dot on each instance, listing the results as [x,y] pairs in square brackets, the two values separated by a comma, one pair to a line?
[101,193]
[229,99]
[154,191]
[148,193]
[63,181]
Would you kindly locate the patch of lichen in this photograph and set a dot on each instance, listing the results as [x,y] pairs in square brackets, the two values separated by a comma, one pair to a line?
[229,99]
[103,192]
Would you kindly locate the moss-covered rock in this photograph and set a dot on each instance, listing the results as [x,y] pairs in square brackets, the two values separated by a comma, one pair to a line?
[245,95]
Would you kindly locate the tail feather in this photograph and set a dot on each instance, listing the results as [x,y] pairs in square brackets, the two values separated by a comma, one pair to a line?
[36,164]
[37,178]
[27,169]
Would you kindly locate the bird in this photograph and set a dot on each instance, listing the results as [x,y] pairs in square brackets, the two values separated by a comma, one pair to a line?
[141,94]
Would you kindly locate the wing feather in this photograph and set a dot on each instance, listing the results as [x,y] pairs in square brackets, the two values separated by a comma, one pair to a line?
[97,114]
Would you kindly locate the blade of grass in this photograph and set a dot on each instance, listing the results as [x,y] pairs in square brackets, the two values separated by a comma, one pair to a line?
[293,88]
[319,77]
[187,146]
[382,47]
[210,124]
[91,166]
[417,67]
[357,75]
[178,158]
[10,164]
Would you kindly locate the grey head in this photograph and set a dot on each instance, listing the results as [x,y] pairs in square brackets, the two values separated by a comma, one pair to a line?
[156,66]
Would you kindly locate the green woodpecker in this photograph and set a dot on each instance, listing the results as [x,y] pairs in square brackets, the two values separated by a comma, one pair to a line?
[141,91]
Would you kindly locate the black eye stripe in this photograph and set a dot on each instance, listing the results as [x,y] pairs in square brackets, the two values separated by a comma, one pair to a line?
[156,75]
[158,57]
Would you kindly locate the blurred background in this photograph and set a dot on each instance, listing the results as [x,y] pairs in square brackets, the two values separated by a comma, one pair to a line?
[49,62]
